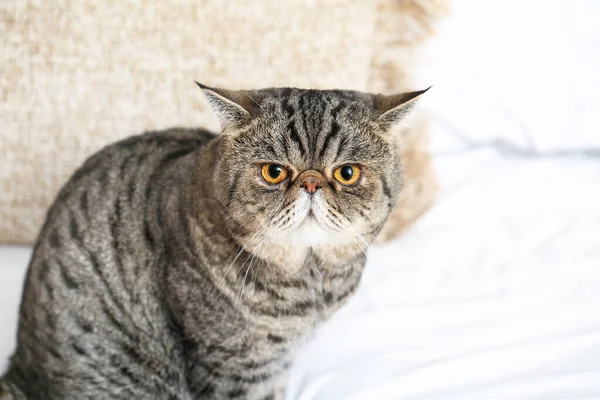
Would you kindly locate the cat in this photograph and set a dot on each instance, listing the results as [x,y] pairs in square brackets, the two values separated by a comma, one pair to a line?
[183,264]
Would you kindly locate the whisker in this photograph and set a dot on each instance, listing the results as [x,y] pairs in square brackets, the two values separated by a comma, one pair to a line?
[254,253]
[235,259]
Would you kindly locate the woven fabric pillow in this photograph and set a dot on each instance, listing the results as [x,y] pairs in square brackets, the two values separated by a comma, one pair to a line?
[77,75]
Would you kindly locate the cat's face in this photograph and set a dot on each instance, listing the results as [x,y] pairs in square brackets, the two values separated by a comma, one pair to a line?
[307,168]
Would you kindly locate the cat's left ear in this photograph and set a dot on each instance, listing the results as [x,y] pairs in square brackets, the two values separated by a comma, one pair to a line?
[234,108]
[393,111]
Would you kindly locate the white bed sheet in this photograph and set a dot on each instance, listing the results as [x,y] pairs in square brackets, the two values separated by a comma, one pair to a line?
[495,293]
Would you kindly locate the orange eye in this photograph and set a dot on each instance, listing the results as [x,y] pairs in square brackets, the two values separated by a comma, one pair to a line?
[347,174]
[274,173]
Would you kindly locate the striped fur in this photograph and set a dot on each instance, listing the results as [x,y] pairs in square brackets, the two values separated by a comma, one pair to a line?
[168,269]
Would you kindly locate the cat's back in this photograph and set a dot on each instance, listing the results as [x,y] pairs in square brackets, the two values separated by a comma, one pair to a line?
[91,303]
[122,175]
[134,157]
[110,194]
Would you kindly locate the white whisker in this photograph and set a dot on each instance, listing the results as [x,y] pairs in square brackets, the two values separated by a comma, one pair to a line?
[236,257]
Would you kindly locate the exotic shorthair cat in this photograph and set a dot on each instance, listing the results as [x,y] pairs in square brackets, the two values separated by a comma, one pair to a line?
[187,265]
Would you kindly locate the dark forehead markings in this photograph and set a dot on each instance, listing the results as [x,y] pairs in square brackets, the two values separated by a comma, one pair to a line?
[292,127]
[312,123]
[342,147]
[334,128]
[313,119]
[295,136]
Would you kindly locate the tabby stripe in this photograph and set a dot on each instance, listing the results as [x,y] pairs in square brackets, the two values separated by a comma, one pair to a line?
[250,379]
[291,127]
[304,112]
[78,349]
[95,263]
[286,146]
[52,351]
[50,321]
[207,370]
[124,166]
[83,202]
[96,269]
[88,167]
[271,150]
[299,309]
[131,188]
[148,237]
[236,393]
[342,296]
[386,188]
[275,338]
[341,147]
[103,178]
[335,128]
[114,226]
[293,284]
[344,274]
[164,163]
[204,392]
[259,364]
[54,239]
[73,228]
[112,318]
[128,373]
[232,187]
[296,137]
[110,378]
[68,280]
[273,294]
[135,355]
[85,326]
[287,107]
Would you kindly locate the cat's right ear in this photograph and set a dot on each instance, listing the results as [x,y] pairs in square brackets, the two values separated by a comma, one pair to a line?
[393,111]
[232,108]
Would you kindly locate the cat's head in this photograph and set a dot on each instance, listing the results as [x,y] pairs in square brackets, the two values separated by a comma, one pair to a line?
[308,168]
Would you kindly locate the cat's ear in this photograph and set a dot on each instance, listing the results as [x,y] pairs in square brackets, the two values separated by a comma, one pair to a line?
[393,111]
[233,107]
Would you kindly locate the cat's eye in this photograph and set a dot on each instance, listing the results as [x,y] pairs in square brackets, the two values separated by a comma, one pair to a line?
[347,174]
[273,173]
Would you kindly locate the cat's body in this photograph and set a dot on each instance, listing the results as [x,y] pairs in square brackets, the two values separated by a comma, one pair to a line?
[166,270]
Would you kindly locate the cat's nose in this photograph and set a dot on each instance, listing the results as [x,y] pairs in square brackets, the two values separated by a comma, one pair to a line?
[311,185]
[310,181]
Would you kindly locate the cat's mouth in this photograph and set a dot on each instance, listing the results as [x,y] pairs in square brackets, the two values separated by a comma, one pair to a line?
[310,219]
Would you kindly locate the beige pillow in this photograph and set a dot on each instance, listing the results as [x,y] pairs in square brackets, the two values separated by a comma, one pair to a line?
[77,75]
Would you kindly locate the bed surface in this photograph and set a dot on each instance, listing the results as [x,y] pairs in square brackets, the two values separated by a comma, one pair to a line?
[495,293]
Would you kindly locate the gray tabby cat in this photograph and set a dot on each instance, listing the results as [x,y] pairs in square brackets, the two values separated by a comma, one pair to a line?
[187,265]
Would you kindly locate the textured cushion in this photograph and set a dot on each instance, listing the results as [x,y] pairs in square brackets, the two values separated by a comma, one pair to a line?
[77,75]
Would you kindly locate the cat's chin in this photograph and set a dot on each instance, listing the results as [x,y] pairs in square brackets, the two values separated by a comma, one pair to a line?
[311,234]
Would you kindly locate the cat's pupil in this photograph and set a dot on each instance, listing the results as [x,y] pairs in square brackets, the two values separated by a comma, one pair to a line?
[274,171]
[347,172]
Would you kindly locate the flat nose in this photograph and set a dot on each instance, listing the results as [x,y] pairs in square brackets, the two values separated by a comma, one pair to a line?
[311,185]
[311,181]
